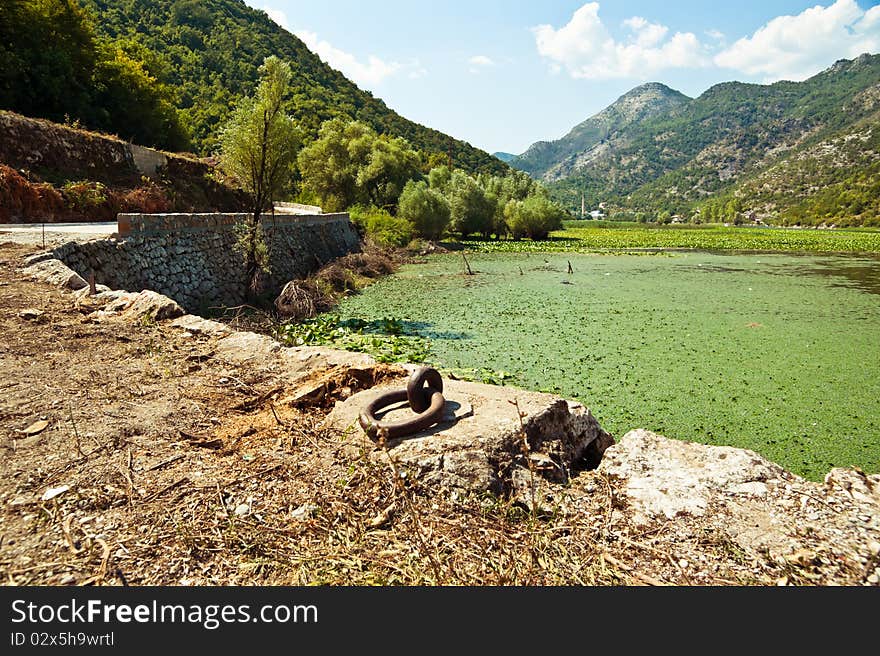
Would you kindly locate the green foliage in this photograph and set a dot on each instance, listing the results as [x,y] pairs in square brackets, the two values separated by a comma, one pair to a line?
[84,195]
[535,217]
[577,238]
[259,146]
[382,228]
[351,164]
[425,208]
[260,142]
[390,164]
[214,48]
[439,178]
[472,210]
[133,104]
[55,66]
[383,339]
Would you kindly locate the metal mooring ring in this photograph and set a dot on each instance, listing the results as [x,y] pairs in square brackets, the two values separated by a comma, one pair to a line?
[418,394]
[427,402]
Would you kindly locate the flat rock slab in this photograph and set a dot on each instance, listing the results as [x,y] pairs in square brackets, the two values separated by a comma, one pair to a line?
[152,305]
[665,478]
[479,445]
[241,347]
[199,326]
[55,272]
[762,508]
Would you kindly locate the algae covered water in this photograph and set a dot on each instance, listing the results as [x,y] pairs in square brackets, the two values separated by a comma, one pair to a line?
[776,353]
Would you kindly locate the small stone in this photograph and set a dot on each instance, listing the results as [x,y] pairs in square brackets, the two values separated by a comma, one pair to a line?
[67,579]
[874,579]
[242,509]
[30,314]
[874,548]
[304,512]
[53,492]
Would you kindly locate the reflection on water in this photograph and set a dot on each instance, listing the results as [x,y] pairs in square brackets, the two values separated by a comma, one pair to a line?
[853,272]
[858,273]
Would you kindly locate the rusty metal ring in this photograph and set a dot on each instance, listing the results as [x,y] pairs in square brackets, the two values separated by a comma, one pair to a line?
[430,399]
[394,429]
[417,393]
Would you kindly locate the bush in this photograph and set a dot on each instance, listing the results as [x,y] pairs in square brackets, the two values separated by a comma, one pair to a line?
[535,217]
[22,200]
[381,228]
[426,209]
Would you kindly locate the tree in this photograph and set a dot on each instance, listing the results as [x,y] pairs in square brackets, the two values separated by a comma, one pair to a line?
[259,146]
[349,164]
[439,177]
[535,217]
[471,209]
[330,164]
[426,209]
[391,163]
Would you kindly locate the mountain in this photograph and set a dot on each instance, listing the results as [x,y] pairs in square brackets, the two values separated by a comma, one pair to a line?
[209,52]
[554,160]
[742,142]
[504,157]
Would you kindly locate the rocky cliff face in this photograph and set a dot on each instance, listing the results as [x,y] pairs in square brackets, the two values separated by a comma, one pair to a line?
[586,141]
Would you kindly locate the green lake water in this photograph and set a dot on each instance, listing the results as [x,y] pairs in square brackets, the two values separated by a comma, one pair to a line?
[776,353]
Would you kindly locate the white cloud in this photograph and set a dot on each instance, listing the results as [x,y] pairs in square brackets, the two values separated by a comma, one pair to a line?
[718,35]
[277,15]
[586,48]
[481,60]
[479,63]
[369,73]
[796,47]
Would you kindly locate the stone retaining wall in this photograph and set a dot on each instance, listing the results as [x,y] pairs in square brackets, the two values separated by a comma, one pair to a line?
[192,257]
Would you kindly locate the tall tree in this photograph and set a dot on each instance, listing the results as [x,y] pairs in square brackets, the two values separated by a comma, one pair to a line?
[259,146]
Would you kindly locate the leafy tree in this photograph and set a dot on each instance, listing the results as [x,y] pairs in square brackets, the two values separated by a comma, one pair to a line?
[330,165]
[382,228]
[425,208]
[259,147]
[391,163]
[472,210]
[350,164]
[133,104]
[439,177]
[535,217]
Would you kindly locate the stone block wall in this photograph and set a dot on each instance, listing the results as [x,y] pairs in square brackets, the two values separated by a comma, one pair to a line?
[192,257]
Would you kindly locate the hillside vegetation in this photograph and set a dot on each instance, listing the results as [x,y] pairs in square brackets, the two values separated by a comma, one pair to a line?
[792,152]
[209,51]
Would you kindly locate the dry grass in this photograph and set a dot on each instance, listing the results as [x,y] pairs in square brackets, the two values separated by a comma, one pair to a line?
[303,299]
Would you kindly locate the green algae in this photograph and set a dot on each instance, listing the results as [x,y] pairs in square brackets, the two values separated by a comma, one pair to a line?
[775,353]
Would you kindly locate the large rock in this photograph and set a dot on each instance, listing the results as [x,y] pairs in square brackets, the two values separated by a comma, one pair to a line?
[479,445]
[768,513]
[152,305]
[665,478]
[241,347]
[55,272]
[199,326]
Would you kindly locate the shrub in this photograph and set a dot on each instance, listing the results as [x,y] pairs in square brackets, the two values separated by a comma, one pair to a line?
[22,200]
[381,228]
[535,217]
[426,209]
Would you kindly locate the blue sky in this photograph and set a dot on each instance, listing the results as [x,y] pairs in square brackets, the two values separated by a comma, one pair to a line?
[502,74]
